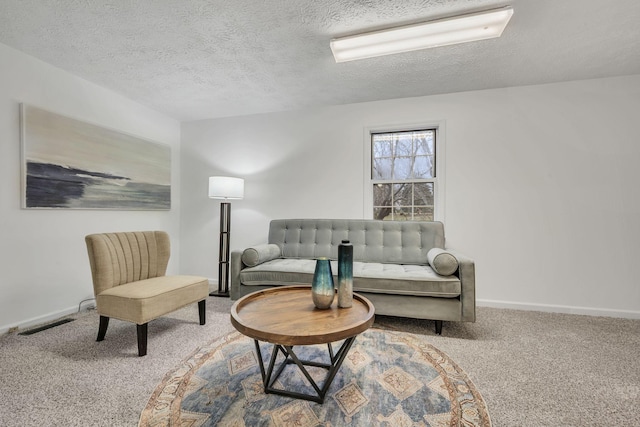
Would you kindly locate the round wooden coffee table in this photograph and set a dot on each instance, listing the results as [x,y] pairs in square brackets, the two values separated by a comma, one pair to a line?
[286,317]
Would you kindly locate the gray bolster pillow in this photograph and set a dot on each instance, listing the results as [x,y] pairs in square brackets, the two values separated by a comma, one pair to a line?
[442,262]
[260,253]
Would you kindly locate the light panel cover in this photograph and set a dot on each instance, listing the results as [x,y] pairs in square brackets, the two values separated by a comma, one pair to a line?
[459,29]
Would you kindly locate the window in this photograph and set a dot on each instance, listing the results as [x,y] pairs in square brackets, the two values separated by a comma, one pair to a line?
[403,175]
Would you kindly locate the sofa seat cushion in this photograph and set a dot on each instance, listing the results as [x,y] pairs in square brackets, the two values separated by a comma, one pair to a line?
[371,277]
[145,300]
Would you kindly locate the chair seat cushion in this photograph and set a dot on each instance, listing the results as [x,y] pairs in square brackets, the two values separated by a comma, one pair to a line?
[145,300]
[370,277]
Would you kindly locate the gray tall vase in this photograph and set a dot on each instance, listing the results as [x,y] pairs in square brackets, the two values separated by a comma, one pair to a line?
[345,274]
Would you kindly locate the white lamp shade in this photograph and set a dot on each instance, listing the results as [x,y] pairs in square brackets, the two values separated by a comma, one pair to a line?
[225,187]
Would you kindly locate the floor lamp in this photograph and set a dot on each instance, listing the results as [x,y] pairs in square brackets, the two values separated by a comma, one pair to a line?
[226,188]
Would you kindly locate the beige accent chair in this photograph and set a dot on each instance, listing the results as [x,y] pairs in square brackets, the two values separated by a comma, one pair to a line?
[129,281]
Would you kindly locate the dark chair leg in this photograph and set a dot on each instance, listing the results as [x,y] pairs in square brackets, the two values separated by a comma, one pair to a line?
[142,339]
[102,329]
[438,327]
[202,310]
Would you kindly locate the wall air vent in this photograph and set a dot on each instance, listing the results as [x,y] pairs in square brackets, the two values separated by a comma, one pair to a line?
[45,327]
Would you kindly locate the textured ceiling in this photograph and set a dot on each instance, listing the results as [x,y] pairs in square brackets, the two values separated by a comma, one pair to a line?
[197,59]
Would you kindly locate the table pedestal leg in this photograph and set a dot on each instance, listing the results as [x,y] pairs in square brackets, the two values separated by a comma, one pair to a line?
[269,377]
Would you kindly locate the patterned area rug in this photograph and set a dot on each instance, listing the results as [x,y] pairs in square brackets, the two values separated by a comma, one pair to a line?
[388,378]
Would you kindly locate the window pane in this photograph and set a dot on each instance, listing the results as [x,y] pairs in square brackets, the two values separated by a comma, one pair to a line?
[402,214]
[404,144]
[423,214]
[423,167]
[381,145]
[382,168]
[382,195]
[402,168]
[382,213]
[423,194]
[402,194]
[424,143]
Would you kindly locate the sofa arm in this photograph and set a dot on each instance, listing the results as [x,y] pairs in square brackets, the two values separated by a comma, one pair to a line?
[249,257]
[467,275]
[235,264]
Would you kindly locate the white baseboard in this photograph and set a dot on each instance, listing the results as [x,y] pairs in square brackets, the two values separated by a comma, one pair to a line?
[38,320]
[567,309]
[550,308]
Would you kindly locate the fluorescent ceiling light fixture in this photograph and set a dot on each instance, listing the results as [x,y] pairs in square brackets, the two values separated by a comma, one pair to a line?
[459,29]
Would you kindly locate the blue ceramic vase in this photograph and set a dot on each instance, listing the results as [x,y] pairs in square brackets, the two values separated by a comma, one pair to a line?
[322,289]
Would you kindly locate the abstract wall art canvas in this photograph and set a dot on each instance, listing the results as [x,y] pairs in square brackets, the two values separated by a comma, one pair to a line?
[71,164]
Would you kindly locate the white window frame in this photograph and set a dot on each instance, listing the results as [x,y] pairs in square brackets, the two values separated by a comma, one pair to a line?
[439,180]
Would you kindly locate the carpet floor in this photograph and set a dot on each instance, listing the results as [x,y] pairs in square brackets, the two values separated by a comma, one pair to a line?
[532,368]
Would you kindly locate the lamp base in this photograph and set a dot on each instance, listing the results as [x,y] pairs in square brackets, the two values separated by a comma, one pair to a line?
[219,294]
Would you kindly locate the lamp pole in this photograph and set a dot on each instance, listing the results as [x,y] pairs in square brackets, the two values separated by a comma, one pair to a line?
[223,252]
[225,188]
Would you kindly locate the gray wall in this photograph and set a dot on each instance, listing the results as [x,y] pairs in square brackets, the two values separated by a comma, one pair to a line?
[44,269]
[541,185]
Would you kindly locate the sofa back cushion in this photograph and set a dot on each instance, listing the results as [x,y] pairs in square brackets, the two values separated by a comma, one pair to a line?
[398,242]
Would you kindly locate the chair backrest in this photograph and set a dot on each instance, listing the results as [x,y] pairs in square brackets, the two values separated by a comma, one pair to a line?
[119,258]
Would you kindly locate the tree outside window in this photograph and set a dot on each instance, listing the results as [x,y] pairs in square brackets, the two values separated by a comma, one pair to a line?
[403,175]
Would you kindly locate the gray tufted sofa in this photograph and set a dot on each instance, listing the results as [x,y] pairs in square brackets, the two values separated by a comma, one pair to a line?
[400,266]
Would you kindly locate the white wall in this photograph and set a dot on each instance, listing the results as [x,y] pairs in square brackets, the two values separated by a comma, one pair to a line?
[44,268]
[541,185]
